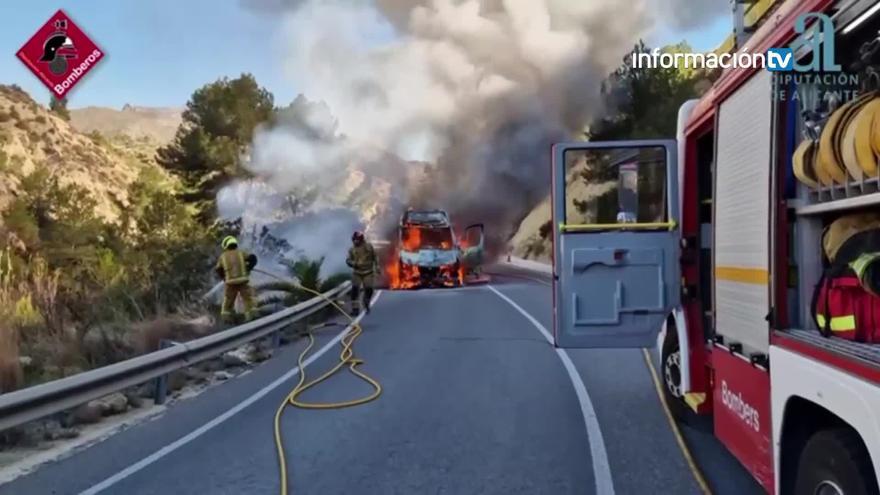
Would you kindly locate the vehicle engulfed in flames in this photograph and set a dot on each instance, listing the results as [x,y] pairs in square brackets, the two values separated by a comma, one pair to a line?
[429,254]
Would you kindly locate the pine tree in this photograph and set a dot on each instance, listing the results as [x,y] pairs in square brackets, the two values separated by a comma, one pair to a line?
[59,106]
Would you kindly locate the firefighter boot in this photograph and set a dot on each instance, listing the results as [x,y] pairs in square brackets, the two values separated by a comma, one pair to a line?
[355,302]
[368,298]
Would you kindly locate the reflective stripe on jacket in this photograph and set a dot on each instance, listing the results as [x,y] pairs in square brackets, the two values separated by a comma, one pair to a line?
[861,268]
[845,323]
[234,268]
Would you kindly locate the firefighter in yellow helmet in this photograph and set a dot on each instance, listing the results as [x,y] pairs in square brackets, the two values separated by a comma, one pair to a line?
[234,267]
[365,267]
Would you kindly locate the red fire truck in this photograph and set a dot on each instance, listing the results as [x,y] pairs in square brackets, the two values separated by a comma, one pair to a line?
[718,257]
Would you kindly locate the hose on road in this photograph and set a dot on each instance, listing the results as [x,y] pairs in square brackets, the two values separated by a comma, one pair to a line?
[346,358]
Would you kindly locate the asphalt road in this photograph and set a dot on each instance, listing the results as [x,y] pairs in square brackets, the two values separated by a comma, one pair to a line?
[475,400]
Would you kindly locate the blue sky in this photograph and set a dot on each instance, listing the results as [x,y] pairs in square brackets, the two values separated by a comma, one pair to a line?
[159,51]
[704,38]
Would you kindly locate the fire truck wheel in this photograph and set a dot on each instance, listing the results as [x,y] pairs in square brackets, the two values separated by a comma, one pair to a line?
[835,462]
[671,374]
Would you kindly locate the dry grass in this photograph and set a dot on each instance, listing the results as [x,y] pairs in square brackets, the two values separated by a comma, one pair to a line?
[27,302]
[11,297]
[11,375]
[148,335]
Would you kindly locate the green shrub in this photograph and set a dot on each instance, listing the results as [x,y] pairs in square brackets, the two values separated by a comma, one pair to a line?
[97,137]
[59,107]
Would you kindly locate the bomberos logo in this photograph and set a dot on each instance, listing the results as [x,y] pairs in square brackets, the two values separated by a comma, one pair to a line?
[60,54]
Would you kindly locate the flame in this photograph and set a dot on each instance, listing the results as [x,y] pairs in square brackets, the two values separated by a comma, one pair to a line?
[401,276]
[412,238]
[450,274]
[404,276]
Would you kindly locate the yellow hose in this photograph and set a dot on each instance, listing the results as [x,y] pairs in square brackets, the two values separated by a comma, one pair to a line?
[346,357]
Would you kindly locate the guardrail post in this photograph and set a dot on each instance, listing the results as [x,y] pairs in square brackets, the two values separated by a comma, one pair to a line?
[160,389]
[276,340]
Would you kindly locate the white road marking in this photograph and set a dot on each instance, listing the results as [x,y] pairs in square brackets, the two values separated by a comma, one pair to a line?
[159,454]
[601,467]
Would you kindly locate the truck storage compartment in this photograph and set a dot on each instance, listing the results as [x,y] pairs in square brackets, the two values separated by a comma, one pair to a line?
[830,147]
[742,208]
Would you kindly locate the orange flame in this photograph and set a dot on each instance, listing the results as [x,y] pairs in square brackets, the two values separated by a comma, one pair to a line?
[402,276]
[450,273]
[411,238]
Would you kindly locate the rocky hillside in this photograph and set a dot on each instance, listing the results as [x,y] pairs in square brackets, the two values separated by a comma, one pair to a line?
[31,135]
[156,124]
[533,239]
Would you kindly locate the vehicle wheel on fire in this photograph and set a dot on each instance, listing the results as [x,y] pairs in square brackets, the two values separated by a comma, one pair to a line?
[835,462]
[670,363]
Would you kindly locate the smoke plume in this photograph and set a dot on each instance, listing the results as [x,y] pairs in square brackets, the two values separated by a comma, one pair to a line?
[687,14]
[479,90]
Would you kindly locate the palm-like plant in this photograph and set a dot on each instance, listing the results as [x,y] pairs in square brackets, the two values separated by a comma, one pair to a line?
[306,273]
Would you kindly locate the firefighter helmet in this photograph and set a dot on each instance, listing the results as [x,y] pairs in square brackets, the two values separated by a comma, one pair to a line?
[55,43]
[229,242]
[845,228]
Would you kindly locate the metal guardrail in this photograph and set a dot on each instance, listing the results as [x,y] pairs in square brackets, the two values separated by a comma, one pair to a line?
[22,406]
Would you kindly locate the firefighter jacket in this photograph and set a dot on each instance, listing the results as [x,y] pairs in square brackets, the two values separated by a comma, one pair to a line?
[362,259]
[234,266]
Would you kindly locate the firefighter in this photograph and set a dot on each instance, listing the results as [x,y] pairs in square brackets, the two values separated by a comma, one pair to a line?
[365,267]
[234,267]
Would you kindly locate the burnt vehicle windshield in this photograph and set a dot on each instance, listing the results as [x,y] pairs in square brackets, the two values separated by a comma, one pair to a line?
[433,238]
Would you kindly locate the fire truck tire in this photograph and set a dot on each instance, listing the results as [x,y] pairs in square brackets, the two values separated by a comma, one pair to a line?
[670,371]
[835,461]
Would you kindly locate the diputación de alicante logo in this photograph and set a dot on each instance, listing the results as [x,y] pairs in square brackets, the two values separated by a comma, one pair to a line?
[60,54]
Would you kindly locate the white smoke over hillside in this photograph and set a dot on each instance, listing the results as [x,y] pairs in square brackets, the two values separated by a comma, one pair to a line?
[479,89]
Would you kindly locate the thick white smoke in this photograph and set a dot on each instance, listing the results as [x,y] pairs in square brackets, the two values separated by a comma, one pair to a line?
[479,89]
[687,14]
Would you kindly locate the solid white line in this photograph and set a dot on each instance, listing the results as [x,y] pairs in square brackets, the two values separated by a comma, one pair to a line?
[601,467]
[155,456]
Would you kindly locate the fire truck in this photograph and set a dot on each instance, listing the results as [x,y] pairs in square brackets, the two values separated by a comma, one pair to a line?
[710,250]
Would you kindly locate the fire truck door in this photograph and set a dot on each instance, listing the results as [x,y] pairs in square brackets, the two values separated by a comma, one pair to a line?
[616,242]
